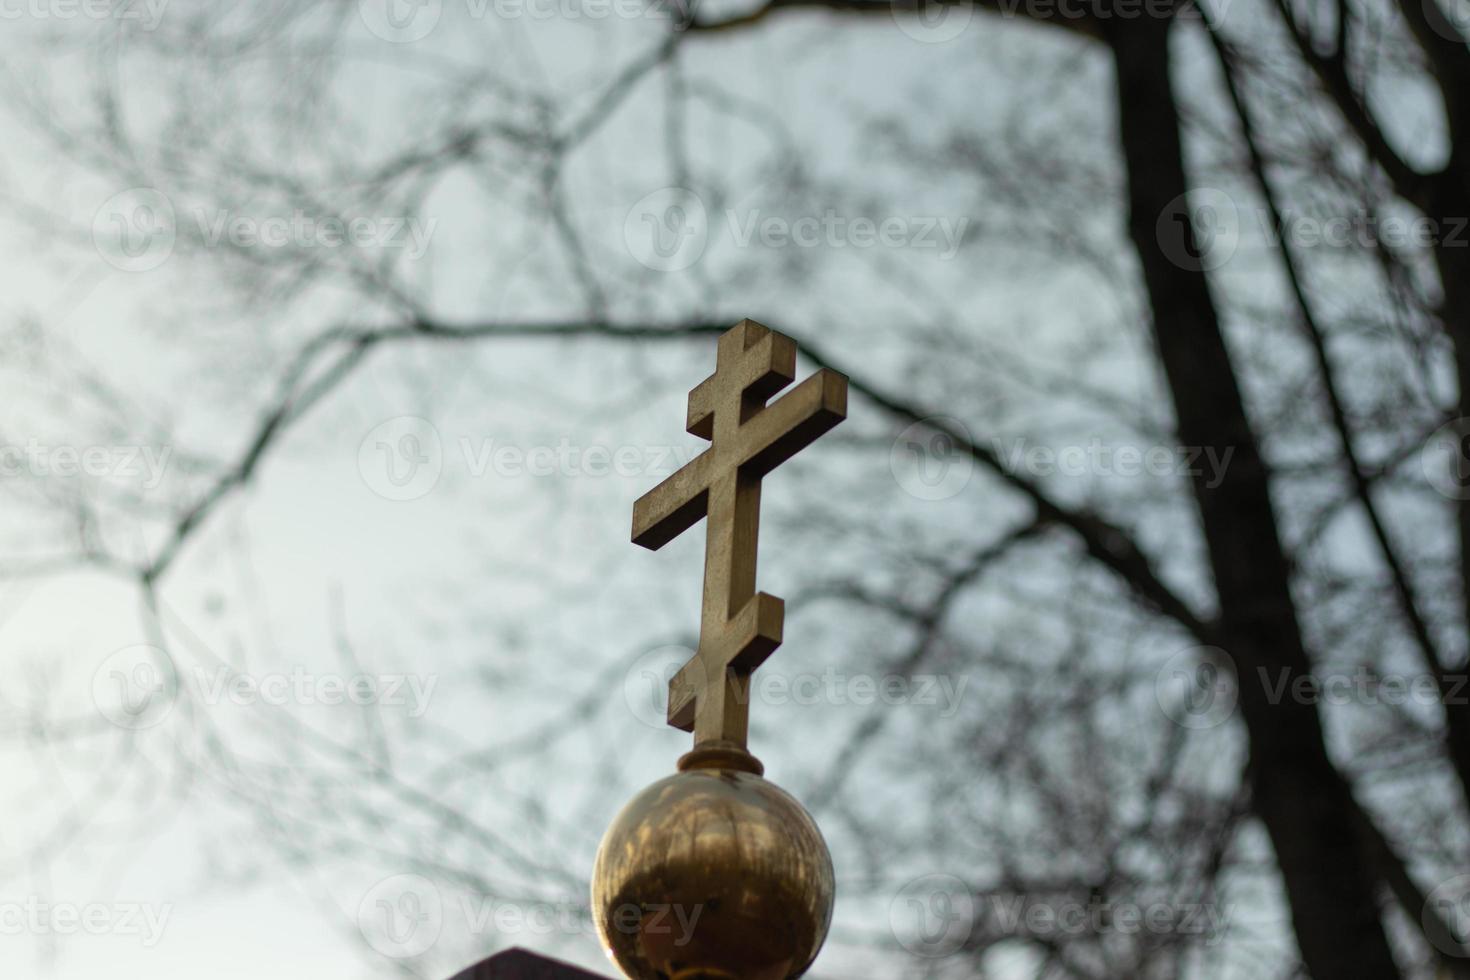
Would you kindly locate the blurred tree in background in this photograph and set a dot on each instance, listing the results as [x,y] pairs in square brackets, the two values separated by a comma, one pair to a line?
[1135,583]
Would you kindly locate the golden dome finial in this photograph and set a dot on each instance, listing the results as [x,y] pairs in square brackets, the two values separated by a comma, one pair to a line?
[713,873]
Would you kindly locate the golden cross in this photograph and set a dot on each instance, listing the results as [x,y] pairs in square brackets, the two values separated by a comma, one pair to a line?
[738,627]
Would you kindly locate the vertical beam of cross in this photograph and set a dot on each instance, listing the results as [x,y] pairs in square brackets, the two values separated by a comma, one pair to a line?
[739,627]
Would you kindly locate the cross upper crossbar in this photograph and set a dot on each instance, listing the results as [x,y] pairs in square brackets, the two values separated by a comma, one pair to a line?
[739,627]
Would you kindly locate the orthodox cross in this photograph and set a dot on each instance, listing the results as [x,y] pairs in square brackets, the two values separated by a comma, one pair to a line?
[739,627]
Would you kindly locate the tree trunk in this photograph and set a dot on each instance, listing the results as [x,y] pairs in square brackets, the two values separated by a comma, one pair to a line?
[1297,793]
[1453,259]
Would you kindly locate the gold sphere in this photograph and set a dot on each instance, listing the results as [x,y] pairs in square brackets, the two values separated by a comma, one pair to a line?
[713,874]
